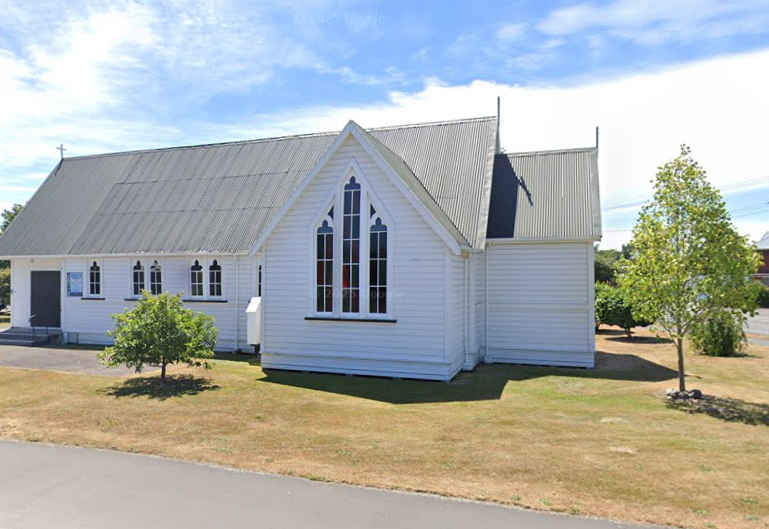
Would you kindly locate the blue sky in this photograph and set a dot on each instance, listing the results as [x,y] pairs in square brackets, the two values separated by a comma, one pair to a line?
[110,76]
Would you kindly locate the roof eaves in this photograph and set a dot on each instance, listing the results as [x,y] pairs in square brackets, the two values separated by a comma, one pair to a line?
[483,221]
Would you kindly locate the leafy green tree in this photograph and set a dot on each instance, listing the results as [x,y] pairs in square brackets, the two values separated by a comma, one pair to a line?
[158,330]
[5,286]
[605,262]
[688,262]
[613,308]
[8,215]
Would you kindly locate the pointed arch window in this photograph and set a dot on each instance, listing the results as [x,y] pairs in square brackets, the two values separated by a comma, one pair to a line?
[138,278]
[215,279]
[351,247]
[156,279]
[378,267]
[196,279]
[94,279]
[325,268]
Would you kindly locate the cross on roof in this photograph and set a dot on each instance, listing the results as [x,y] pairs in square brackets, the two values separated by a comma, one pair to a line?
[61,150]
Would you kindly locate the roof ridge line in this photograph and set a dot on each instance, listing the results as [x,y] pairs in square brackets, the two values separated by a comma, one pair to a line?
[275,138]
[549,151]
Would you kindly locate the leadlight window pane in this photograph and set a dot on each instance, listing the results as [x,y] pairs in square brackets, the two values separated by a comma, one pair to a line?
[138,278]
[156,279]
[196,279]
[378,268]
[215,279]
[94,279]
[351,247]
[325,267]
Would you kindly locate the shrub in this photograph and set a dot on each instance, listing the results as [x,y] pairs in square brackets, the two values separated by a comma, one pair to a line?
[5,286]
[722,334]
[763,296]
[611,308]
[159,331]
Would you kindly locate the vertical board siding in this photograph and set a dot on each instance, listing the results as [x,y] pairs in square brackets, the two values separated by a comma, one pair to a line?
[455,322]
[540,304]
[415,287]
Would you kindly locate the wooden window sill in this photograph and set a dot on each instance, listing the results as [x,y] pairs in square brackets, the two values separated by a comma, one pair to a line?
[203,300]
[362,320]
[92,298]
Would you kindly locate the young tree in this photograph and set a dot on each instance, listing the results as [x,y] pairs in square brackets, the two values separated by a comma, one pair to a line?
[688,260]
[159,331]
[8,215]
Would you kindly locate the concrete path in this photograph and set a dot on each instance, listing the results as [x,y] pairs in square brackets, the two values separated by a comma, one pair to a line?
[759,324]
[46,486]
[59,359]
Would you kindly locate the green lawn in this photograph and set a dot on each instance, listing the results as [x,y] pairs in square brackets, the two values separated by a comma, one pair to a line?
[599,442]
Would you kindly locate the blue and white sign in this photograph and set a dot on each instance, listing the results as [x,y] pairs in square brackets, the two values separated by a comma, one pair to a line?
[75,284]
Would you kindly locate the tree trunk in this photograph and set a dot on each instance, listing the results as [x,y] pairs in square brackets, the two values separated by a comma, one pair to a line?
[681,376]
[163,372]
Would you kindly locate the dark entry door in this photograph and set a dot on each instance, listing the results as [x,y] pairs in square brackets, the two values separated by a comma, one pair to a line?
[46,299]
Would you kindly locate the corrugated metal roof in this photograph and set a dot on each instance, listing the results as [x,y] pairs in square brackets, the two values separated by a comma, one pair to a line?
[218,198]
[546,195]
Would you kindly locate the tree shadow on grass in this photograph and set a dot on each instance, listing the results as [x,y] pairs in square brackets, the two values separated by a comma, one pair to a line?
[154,388]
[724,408]
[486,382]
[639,339]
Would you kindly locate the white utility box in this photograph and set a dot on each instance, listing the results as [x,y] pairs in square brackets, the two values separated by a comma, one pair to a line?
[254,321]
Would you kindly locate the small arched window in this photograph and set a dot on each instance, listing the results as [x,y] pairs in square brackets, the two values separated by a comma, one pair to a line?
[138,278]
[196,279]
[156,279]
[378,267]
[215,279]
[94,280]
[325,268]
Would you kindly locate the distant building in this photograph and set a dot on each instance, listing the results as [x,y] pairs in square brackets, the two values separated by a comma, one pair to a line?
[763,249]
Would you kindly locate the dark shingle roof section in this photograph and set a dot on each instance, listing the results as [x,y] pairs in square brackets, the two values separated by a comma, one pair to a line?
[218,198]
[546,196]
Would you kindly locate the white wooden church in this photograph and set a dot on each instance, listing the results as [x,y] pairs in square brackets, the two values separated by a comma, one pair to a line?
[408,251]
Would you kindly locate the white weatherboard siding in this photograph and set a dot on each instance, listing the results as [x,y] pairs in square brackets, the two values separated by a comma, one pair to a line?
[20,287]
[476,308]
[87,320]
[540,304]
[414,346]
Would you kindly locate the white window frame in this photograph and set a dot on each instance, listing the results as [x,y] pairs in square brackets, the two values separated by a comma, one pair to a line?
[87,287]
[131,266]
[148,273]
[203,272]
[332,222]
[368,198]
[207,279]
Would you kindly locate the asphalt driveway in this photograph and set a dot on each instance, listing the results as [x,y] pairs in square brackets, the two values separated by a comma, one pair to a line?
[58,359]
[66,487]
[758,326]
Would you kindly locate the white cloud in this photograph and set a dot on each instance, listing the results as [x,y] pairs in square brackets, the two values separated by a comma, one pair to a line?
[652,23]
[73,87]
[719,107]
[511,32]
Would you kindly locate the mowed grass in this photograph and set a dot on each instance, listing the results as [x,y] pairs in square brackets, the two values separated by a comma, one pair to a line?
[598,442]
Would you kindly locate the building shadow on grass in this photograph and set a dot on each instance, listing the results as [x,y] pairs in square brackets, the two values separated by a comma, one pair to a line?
[486,382]
[248,358]
[152,387]
[726,409]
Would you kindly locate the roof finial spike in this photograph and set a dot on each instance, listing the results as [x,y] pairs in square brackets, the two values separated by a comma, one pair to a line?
[596,137]
[61,150]
[498,116]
